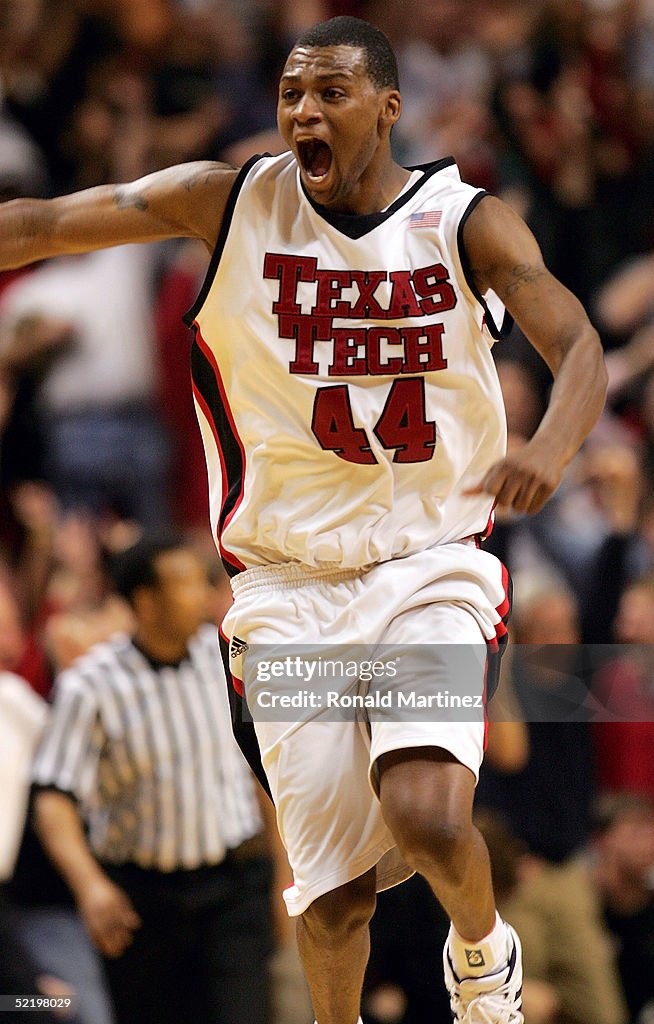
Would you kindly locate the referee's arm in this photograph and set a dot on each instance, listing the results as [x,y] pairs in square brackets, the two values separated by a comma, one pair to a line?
[106,909]
[66,755]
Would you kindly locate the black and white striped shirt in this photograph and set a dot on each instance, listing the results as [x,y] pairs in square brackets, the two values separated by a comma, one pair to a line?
[149,754]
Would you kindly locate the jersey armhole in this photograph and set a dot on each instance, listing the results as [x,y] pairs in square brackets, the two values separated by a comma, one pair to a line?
[504,329]
[190,316]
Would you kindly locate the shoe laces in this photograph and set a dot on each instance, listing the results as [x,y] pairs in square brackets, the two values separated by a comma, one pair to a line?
[501,1006]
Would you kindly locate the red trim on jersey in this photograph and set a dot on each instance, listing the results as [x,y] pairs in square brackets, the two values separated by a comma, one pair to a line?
[504,608]
[211,359]
[488,529]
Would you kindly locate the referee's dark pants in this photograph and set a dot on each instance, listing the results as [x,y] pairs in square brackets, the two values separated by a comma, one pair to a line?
[201,954]
[18,975]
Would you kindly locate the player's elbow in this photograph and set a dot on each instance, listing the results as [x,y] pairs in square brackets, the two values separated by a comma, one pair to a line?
[585,352]
[595,355]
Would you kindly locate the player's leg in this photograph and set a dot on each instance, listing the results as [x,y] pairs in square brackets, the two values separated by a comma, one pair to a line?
[317,769]
[334,943]
[332,828]
[426,765]
[426,798]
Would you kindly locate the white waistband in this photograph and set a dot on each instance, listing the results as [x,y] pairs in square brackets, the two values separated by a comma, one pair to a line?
[291,575]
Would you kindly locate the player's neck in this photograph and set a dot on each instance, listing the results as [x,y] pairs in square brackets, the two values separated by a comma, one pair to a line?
[375,191]
[398,178]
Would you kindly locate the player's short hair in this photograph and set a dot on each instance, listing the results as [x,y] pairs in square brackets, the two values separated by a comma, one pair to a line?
[136,566]
[381,64]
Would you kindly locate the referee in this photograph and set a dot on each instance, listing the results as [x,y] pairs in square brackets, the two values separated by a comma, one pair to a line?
[148,810]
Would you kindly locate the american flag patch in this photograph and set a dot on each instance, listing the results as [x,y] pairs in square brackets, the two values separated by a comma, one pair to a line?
[430,219]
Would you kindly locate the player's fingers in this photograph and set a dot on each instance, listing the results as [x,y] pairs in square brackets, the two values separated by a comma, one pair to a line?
[526,495]
[507,493]
[539,499]
[491,482]
[504,483]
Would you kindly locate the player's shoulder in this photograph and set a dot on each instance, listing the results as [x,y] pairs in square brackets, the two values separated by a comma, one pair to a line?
[203,185]
[444,175]
[495,233]
[263,170]
[208,192]
[440,190]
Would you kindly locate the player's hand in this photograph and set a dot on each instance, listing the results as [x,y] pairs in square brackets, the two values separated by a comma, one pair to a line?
[523,481]
[109,916]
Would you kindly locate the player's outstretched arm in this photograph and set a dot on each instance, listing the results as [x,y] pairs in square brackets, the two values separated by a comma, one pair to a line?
[505,256]
[186,201]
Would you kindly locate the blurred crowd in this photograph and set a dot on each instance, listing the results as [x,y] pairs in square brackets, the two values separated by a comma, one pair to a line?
[548,103]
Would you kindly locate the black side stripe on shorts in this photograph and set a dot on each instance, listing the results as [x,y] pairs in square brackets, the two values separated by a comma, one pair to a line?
[242,724]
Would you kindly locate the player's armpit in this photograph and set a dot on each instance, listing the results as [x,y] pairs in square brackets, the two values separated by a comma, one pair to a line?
[186,201]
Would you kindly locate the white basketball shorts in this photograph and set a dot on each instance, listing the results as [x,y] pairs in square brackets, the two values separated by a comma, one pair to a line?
[320,762]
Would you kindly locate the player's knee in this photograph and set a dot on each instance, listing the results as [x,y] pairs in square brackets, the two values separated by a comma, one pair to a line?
[432,840]
[339,913]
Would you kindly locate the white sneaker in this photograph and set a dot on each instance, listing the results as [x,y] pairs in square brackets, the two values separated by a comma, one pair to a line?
[492,998]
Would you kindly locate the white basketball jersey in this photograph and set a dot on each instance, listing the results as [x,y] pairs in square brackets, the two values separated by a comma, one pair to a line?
[342,373]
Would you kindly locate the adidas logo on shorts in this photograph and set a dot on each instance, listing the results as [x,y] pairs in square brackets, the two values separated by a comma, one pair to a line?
[237,648]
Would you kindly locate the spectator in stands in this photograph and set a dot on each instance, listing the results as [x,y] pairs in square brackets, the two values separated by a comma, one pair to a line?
[446,77]
[622,868]
[19,652]
[54,599]
[570,969]
[104,445]
[42,935]
[624,739]
[547,803]
[594,528]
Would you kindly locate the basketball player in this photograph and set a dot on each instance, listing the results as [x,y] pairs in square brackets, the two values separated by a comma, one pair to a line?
[355,442]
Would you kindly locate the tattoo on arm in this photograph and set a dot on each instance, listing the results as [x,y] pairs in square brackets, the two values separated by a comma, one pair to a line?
[199,177]
[524,273]
[124,200]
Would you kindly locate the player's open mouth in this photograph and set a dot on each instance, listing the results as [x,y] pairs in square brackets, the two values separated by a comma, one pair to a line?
[315,157]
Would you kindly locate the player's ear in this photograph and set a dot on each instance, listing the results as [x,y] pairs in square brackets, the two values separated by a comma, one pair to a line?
[391,108]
